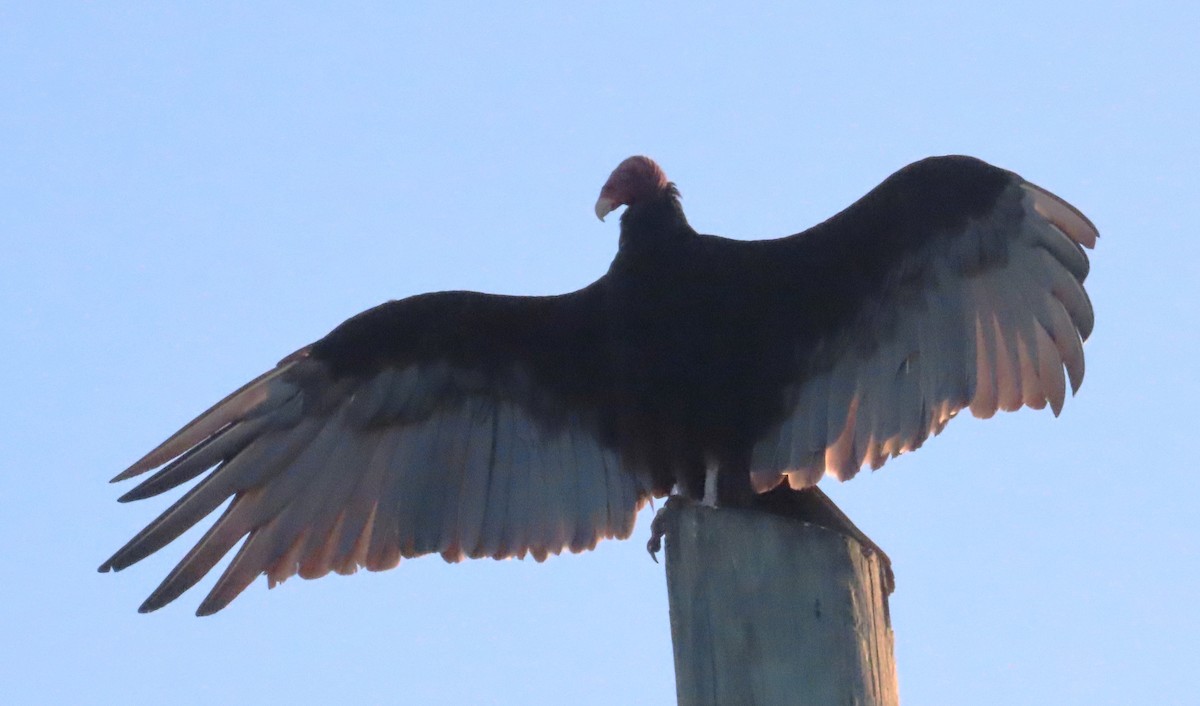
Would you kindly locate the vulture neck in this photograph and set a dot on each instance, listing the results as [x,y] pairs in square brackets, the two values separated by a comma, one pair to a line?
[655,224]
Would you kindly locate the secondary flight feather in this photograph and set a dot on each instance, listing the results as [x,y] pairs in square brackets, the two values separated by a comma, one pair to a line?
[477,425]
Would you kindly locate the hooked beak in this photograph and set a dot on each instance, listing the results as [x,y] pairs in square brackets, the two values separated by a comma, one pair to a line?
[605,206]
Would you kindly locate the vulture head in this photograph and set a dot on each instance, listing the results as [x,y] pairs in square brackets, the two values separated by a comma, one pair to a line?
[635,179]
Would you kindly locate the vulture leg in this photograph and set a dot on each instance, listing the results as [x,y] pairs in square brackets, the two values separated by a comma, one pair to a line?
[711,492]
[721,489]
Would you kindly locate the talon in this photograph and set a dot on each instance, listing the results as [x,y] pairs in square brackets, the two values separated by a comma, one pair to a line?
[658,526]
[657,531]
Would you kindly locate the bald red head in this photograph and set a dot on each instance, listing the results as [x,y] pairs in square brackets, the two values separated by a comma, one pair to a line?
[635,179]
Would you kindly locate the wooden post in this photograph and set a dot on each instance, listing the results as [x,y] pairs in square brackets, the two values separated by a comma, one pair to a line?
[771,610]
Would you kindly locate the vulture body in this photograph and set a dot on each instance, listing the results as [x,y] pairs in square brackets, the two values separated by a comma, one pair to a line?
[477,425]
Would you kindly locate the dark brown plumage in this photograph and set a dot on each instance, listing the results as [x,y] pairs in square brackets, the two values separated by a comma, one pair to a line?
[477,425]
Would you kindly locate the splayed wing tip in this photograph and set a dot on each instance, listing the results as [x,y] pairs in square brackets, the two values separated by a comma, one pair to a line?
[208,608]
[138,468]
[131,496]
[232,408]
[1063,215]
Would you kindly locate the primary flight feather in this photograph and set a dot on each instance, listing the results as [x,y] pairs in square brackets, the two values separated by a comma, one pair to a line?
[477,425]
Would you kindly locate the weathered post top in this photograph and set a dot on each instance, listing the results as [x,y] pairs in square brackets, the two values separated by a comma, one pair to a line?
[772,610]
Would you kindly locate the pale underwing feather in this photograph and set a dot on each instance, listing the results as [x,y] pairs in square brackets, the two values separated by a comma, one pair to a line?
[419,501]
[614,494]
[383,548]
[784,443]
[316,510]
[519,521]
[984,404]
[1066,252]
[1050,370]
[360,510]
[565,494]
[476,476]
[1075,300]
[810,461]
[535,492]
[494,528]
[589,490]
[1008,364]
[1032,395]
[328,518]
[1066,338]
[839,439]
[441,484]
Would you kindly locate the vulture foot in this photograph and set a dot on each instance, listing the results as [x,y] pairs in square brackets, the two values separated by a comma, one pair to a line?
[658,526]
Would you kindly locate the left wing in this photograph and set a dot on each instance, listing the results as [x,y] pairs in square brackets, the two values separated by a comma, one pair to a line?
[465,424]
[952,284]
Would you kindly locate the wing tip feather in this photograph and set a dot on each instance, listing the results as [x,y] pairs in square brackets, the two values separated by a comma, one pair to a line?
[233,407]
[1063,215]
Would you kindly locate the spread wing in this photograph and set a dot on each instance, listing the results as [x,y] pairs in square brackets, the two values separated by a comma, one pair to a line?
[459,423]
[953,284]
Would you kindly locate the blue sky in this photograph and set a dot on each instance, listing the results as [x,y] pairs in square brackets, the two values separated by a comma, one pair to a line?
[189,193]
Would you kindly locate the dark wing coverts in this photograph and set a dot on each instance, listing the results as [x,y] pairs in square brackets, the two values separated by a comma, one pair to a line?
[953,284]
[458,423]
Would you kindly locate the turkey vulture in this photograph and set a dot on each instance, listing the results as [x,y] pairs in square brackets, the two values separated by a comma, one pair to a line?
[477,425]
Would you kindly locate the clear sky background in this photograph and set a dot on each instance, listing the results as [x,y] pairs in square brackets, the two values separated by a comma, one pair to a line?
[188,194]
